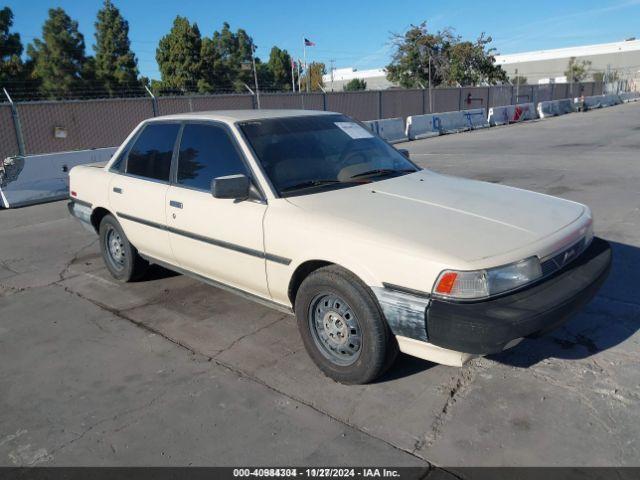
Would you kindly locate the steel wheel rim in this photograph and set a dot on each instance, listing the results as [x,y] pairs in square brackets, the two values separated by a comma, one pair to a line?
[114,247]
[335,329]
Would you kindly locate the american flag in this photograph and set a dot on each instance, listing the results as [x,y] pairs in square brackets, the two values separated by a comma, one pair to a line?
[308,43]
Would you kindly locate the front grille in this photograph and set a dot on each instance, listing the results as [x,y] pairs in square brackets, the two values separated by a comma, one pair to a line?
[563,257]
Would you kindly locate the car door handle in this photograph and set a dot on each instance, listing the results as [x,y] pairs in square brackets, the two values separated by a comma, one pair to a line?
[117,189]
[175,204]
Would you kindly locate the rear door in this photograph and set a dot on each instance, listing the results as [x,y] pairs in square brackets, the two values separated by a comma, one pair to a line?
[218,238]
[138,190]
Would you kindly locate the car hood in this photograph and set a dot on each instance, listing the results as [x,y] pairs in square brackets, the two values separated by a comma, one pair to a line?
[446,216]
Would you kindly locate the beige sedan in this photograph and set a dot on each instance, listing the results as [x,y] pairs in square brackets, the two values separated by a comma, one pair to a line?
[310,213]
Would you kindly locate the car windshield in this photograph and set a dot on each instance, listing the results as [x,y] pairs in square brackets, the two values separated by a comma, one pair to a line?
[307,154]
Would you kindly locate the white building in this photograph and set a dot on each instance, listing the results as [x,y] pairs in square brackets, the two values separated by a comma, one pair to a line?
[549,66]
[376,78]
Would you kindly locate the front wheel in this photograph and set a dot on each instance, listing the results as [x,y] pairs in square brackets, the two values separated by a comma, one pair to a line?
[120,257]
[342,326]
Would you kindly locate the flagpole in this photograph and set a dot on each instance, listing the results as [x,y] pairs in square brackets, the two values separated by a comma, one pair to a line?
[293,75]
[299,77]
[306,70]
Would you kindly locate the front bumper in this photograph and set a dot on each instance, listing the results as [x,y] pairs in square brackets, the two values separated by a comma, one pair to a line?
[488,326]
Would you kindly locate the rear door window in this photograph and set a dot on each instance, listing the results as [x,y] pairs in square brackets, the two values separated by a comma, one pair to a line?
[150,155]
[206,152]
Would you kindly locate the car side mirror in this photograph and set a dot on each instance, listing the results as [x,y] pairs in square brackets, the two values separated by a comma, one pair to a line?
[404,152]
[236,187]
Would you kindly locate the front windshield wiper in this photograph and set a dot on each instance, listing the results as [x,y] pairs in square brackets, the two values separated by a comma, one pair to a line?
[382,171]
[309,184]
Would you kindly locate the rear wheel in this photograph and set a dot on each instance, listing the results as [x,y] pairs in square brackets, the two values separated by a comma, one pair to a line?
[120,257]
[342,327]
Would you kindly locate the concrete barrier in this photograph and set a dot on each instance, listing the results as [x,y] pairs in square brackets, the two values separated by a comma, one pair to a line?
[451,122]
[43,178]
[391,129]
[433,124]
[598,101]
[511,114]
[422,126]
[476,118]
[554,108]
[627,97]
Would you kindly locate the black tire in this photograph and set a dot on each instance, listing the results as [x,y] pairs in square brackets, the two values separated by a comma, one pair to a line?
[314,304]
[127,267]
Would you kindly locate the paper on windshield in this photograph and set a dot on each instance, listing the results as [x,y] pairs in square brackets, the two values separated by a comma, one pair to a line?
[354,130]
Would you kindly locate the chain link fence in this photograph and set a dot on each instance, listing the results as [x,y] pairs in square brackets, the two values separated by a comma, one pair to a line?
[56,126]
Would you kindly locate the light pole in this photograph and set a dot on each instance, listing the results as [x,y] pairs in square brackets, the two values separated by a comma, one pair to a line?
[255,73]
[430,101]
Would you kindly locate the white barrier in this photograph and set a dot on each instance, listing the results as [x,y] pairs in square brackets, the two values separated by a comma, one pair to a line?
[627,97]
[391,129]
[43,178]
[451,122]
[554,108]
[433,124]
[476,118]
[511,114]
[422,126]
[598,101]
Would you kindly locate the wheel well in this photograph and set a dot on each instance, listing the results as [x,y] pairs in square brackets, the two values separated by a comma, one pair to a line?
[302,272]
[97,215]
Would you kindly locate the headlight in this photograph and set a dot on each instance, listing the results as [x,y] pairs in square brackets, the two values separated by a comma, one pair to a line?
[485,283]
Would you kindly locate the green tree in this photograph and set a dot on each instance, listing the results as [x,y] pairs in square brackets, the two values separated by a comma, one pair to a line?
[11,66]
[453,61]
[577,69]
[179,56]
[315,71]
[280,68]
[473,63]
[226,60]
[518,80]
[355,85]
[58,58]
[600,77]
[115,63]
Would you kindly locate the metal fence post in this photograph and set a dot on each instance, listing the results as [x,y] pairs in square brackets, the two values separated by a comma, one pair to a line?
[324,101]
[16,123]
[154,101]
[379,104]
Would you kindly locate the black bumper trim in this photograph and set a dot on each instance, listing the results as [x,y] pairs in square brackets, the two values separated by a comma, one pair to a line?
[487,326]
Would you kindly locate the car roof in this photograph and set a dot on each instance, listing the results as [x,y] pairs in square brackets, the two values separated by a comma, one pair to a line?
[241,115]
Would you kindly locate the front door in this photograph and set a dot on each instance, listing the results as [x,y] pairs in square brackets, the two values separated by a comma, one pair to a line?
[218,238]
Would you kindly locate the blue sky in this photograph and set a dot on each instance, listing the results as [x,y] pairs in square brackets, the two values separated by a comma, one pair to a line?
[353,33]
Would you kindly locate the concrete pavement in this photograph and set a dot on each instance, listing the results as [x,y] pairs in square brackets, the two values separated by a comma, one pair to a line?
[170,371]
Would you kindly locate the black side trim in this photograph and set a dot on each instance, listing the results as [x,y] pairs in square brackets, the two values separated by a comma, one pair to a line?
[222,286]
[212,241]
[409,291]
[80,202]
[142,221]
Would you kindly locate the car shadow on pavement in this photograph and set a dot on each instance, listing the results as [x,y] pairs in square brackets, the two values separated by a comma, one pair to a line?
[156,272]
[608,320]
[405,366]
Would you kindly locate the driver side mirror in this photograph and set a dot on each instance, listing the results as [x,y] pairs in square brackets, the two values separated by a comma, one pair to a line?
[236,187]
[404,152]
